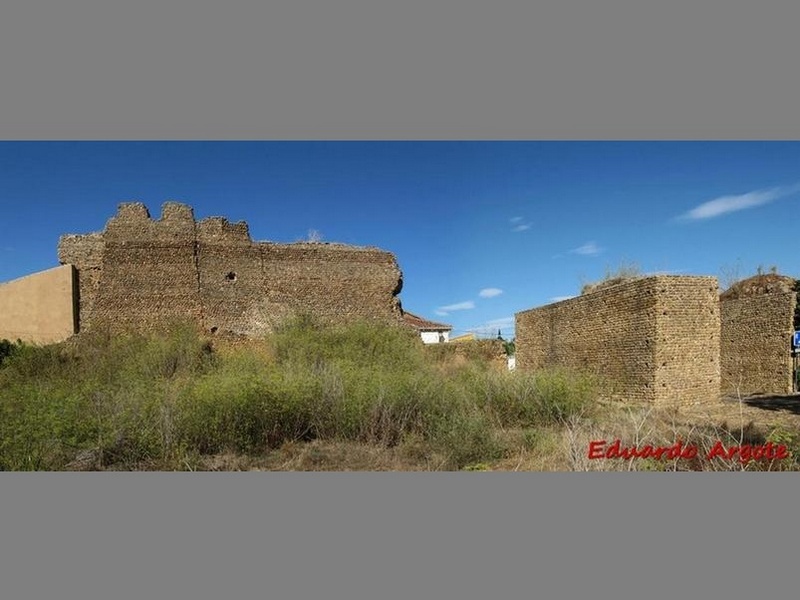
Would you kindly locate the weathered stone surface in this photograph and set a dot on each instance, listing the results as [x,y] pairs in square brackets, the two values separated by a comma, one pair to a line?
[656,337]
[141,273]
[757,323]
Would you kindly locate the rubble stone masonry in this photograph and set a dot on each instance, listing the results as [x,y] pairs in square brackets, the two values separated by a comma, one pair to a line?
[757,324]
[657,338]
[140,272]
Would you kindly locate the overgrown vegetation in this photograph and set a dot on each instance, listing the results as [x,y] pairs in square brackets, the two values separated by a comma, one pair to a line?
[166,401]
[623,272]
[364,396]
[7,348]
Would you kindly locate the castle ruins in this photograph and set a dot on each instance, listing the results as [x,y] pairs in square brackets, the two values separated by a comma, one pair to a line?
[142,273]
[670,339]
[664,339]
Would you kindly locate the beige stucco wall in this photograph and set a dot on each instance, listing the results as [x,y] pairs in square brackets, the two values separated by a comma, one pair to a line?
[40,308]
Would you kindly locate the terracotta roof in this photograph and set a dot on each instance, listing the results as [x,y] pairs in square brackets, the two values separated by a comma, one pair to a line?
[423,324]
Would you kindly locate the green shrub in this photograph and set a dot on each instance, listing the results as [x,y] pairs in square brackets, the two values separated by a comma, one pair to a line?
[7,348]
[100,393]
[163,400]
[364,343]
[520,399]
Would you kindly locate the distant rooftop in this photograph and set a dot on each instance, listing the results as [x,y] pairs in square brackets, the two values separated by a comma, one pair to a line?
[421,324]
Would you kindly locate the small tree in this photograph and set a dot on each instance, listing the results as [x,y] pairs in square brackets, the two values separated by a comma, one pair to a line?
[7,348]
[796,288]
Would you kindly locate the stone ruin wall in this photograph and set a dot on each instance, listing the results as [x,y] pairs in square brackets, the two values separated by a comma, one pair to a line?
[757,326]
[687,349]
[141,272]
[656,338]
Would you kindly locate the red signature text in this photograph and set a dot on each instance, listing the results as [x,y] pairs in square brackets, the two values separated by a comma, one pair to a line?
[743,453]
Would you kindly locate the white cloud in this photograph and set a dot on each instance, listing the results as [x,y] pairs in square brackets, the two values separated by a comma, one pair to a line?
[490,292]
[490,328]
[442,313]
[518,224]
[588,249]
[560,298]
[727,204]
[467,305]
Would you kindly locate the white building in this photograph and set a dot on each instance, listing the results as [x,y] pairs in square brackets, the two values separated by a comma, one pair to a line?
[429,331]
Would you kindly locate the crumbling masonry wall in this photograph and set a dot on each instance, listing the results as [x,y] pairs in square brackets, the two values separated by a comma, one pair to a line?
[657,338]
[142,273]
[756,337]
[40,308]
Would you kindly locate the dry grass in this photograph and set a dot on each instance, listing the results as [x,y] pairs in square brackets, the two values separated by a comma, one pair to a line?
[341,400]
[559,447]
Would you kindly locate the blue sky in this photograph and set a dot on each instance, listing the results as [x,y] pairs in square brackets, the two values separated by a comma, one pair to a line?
[480,229]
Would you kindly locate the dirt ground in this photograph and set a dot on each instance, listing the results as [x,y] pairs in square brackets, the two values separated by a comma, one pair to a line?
[763,411]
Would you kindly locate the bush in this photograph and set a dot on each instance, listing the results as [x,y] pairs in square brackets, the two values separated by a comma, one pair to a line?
[305,341]
[162,400]
[97,393]
[525,400]
[6,349]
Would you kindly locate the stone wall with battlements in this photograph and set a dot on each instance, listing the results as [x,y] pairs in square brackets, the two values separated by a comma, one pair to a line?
[142,272]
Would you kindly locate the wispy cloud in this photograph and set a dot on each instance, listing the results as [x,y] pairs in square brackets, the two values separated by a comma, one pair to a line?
[728,204]
[492,326]
[588,249]
[443,311]
[560,298]
[519,224]
[490,292]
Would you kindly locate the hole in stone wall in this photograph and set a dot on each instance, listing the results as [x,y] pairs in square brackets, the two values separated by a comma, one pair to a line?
[214,329]
[230,276]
